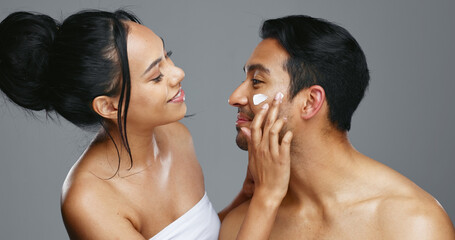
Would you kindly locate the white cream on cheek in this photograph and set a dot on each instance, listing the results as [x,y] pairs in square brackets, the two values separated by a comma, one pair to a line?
[259,98]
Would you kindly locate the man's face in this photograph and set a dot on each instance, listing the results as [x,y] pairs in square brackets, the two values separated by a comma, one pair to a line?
[265,74]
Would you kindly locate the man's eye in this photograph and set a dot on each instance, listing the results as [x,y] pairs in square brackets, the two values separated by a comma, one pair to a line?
[255,81]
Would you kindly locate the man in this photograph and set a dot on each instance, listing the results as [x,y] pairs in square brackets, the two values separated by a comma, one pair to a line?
[334,192]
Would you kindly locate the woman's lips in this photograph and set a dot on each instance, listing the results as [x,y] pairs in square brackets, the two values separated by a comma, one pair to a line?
[179,97]
[241,118]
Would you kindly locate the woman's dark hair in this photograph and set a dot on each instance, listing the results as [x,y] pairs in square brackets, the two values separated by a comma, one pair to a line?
[325,54]
[49,66]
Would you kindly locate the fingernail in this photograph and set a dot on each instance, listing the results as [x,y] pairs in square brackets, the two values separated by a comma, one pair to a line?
[243,129]
[279,96]
[246,132]
[285,119]
[265,106]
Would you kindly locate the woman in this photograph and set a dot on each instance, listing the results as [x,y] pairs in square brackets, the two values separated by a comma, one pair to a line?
[139,178]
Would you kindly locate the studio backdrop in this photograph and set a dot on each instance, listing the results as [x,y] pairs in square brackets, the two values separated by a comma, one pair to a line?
[405,121]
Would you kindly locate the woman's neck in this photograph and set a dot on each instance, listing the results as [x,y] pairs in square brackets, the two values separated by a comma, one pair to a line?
[141,151]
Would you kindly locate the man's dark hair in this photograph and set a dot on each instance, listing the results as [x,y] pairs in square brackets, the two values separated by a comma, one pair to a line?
[325,54]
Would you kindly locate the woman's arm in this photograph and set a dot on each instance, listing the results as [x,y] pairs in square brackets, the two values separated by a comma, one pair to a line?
[244,195]
[269,164]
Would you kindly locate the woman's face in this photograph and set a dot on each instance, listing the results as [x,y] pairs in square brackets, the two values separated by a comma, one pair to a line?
[156,94]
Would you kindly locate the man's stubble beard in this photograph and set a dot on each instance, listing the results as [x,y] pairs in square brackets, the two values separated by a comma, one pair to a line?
[242,143]
[240,139]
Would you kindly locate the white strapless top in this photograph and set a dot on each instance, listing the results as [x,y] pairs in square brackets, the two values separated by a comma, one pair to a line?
[201,222]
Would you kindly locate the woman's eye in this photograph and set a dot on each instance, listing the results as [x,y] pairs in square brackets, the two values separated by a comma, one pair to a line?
[157,79]
[168,54]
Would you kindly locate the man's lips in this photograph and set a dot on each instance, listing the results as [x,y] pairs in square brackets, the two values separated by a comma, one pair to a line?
[242,118]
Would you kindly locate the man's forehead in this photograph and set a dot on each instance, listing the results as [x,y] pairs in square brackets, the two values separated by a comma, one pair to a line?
[267,55]
[256,67]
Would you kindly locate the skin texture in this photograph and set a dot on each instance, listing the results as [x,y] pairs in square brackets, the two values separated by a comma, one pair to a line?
[335,192]
[165,180]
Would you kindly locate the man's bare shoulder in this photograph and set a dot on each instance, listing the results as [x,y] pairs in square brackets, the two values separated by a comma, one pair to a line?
[408,212]
[233,221]
[392,206]
[403,209]
[409,217]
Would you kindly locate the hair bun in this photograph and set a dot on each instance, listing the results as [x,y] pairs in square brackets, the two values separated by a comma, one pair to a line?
[25,43]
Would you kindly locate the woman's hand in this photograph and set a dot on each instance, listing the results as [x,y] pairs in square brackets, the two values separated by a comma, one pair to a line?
[269,159]
[248,184]
[269,163]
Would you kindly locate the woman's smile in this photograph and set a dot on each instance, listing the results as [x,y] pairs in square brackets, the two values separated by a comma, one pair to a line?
[179,97]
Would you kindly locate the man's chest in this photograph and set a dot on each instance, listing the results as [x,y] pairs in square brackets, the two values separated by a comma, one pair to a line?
[347,227]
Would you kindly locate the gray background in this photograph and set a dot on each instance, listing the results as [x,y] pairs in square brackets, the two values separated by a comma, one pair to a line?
[405,121]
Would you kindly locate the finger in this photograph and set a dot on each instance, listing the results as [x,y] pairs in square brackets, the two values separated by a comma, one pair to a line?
[272,115]
[274,135]
[256,131]
[249,177]
[247,133]
[251,159]
[285,148]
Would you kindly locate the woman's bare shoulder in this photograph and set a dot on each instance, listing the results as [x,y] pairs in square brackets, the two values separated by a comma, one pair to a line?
[82,188]
[91,207]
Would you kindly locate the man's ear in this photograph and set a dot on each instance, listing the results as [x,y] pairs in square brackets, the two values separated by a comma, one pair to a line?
[105,106]
[313,102]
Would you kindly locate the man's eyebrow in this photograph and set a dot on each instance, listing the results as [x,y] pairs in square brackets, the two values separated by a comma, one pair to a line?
[154,63]
[254,67]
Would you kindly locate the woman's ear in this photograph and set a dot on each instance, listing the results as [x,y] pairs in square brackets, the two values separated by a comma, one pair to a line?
[314,99]
[105,106]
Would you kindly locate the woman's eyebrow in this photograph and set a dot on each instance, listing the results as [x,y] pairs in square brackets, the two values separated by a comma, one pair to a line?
[154,63]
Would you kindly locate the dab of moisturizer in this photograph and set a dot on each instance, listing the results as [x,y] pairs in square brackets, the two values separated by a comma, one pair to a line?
[259,98]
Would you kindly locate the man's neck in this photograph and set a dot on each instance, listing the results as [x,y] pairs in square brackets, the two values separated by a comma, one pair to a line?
[322,170]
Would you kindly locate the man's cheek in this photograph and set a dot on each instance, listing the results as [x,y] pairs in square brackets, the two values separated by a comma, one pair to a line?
[259,98]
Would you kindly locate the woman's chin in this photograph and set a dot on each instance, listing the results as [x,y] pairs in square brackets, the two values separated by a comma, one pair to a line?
[182,112]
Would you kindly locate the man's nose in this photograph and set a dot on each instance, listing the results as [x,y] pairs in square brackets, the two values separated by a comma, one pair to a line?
[239,97]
